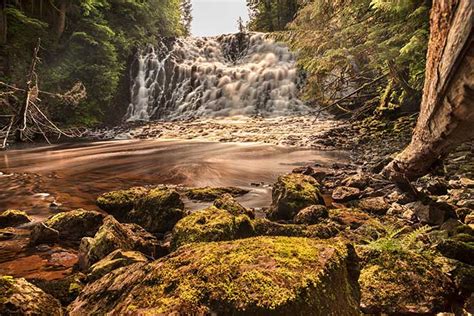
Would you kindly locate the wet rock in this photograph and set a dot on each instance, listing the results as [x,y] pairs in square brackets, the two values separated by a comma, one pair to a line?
[158,211]
[375,205]
[349,217]
[13,218]
[228,203]
[116,259]
[462,251]
[65,290]
[255,276]
[19,297]
[113,235]
[344,194]
[399,283]
[360,181]
[211,224]
[209,194]
[120,203]
[43,234]
[311,215]
[291,193]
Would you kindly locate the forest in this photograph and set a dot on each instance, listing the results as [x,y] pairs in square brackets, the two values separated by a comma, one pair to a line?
[317,161]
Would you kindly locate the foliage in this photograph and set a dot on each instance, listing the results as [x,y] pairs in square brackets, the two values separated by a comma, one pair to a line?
[394,241]
[271,15]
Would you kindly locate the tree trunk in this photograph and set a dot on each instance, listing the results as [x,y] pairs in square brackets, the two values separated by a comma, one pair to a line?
[447,109]
[61,20]
[3,22]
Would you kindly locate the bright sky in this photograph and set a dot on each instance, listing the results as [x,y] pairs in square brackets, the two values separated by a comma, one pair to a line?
[214,17]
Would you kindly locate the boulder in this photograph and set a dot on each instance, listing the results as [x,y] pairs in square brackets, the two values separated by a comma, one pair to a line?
[462,251]
[113,235]
[311,215]
[352,218]
[43,234]
[360,181]
[345,194]
[374,205]
[211,224]
[209,194]
[400,283]
[324,230]
[65,290]
[120,203]
[255,276]
[158,211]
[116,259]
[291,193]
[13,218]
[228,203]
[19,297]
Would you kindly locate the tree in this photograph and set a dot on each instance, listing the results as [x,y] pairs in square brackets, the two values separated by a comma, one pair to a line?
[186,16]
[446,118]
[240,25]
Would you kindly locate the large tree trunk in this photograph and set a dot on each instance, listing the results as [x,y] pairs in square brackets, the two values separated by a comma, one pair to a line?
[61,19]
[447,110]
[3,22]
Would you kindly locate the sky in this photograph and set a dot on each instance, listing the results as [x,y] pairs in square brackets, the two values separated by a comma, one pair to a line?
[214,17]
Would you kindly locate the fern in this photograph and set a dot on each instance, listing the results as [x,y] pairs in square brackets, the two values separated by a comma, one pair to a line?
[393,242]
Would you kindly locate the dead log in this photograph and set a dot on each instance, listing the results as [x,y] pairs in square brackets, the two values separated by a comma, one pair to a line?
[447,110]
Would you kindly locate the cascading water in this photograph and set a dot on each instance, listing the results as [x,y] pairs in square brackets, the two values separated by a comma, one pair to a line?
[237,74]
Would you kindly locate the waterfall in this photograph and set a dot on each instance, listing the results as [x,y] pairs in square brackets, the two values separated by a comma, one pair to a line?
[227,75]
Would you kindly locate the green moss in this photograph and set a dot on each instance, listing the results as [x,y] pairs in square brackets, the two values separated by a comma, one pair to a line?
[228,203]
[211,224]
[119,203]
[11,218]
[116,259]
[212,193]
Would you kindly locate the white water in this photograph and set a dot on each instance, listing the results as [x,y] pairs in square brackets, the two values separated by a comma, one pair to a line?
[214,77]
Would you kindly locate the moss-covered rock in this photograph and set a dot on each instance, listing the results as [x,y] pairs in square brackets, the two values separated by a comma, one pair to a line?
[116,259]
[209,194]
[326,229]
[211,224]
[120,203]
[43,234]
[254,276]
[65,290]
[311,215]
[352,218]
[19,297]
[158,211]
[402,283]
[291,193]
[13,218]
[462,251]
[113,235]
[228,203]
[375,205]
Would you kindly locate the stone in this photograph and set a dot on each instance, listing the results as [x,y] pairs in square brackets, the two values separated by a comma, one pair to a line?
[158,211]
[19,297]
[42,234]
[349,217]
[463,212]
[360,181]
[254,276]
[437,187]
[13,218]
[116,259]
[291,193]
[113,235]
[228,203]
[120,203]
[211,224]
[65,290]
[323,230]
[469,219]
[466,182]
[311,215]
[400,283]
[345,194]
[375,205]
[306,170]
[209,194]
[428,213]
[462,251]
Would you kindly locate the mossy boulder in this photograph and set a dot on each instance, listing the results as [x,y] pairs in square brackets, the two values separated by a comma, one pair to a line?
[113,235]
[19,297]
[13,218]
[158,211]
[291,193]
[254,276]
[120,203]
[399,283]
[311,215]
[462,251]
[209,194]
[116,259]
[228,203]
[348,217]
[211,224]
[65,290]
[265,227]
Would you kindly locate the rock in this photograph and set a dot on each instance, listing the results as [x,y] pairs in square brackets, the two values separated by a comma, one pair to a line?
[158,211]
[42,234]
[306,170]
[463,276]
[437,187]
[466,182]
[120,203]
[291,193]
[311,215]
[399,283]
[65,290]
[462,251]
[429,214]
[211,224]
[324,230]
[228,203]
[349,217]
[344,194]
[209,194]
[469,219]
[114,260]
[13,218]
[255,276]
[113,235]
[463,212]
[72,226]
[375,205]
[19,297]
[360,181]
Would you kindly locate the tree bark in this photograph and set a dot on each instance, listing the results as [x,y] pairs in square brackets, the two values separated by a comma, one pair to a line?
[3,22]
[61,20]
[447,110]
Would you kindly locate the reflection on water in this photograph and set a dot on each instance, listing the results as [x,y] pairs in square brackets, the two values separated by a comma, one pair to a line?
[74,174]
